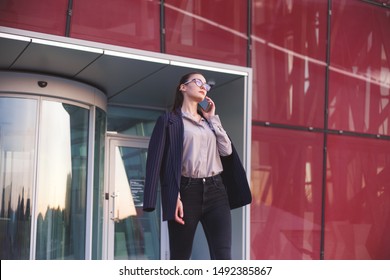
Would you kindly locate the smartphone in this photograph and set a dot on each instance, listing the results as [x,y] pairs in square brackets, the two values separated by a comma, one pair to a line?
[205,105]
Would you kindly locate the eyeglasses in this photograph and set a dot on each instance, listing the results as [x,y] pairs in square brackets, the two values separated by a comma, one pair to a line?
[199,83]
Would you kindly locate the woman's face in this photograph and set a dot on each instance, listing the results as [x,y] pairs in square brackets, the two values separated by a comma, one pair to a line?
[193,91]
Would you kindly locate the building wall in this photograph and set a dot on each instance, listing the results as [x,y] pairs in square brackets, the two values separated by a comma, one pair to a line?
[321,87]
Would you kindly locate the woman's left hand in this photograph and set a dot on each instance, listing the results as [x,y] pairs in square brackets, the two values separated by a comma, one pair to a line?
[179,213]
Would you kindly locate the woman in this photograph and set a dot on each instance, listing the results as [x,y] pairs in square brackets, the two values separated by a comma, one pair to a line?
[188,152]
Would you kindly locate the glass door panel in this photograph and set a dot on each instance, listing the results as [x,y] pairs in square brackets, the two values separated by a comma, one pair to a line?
[62,182]
[18,118]
[133,234]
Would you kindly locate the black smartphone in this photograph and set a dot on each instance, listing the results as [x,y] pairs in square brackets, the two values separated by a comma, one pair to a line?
[205,105]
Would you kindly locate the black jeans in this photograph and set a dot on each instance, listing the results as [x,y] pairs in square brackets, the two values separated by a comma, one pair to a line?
[204,201]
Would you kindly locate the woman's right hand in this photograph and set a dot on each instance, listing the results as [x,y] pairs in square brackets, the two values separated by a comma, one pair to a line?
[179,213]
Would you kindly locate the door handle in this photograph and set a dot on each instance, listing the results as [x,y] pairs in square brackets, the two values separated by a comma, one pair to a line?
[113,217]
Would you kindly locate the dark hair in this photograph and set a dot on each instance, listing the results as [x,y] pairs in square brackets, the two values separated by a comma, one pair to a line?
[179,98]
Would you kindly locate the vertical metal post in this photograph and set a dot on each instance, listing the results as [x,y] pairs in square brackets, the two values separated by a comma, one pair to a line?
[249,34]
[69,12]
[90,183]
[162,26]
[325,147]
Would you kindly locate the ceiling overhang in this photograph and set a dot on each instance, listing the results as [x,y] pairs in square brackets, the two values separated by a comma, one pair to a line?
[127,76]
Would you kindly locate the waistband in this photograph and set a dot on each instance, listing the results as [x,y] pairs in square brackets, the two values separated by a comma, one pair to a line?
[205,180]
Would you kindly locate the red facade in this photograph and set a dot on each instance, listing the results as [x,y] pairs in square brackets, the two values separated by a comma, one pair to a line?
[133,23]
[321,89]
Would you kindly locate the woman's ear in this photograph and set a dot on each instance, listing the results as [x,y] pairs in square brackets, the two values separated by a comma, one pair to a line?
[181,87]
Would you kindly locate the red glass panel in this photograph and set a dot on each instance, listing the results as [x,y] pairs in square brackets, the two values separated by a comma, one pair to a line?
[289,48]
[359,88]
[130,23]
[286,182]
[357,199]
[357,105]
[210,30]
[46,16]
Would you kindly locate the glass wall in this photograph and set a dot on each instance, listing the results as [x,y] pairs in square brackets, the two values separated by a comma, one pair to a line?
[357,199]
[287,192]
[62,182]
[127,23]
[18,122]
[288,58]
[359,83]
[45,16]
[299,108]
[358,190]
[289,62]
[131,121]
[321,89]
[211,30]
[43,178]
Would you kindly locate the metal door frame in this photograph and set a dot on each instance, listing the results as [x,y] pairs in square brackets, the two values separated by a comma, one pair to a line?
[113,141]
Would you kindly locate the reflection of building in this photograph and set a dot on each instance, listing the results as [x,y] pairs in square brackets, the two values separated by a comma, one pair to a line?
[15,224]
[304,95]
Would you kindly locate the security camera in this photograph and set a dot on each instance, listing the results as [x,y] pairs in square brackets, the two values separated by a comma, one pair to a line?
[42,84]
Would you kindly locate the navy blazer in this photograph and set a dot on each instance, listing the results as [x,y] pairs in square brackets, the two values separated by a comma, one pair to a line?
[164,162]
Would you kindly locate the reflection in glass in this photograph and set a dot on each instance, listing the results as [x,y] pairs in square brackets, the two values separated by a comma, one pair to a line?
[357,199]
[126,23]
[288,60]
[17,152]
[136,232]
[132,121]
[62,170]
[48,17]
[287,190]
[209,30]
[359,81]
[98,184]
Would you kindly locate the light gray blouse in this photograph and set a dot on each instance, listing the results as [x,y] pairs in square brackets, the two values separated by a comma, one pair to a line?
[204,143]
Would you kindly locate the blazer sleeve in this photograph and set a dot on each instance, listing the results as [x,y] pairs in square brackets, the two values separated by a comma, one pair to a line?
[153,163]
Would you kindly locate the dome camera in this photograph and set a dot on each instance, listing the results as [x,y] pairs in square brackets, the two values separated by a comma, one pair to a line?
[42,84]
